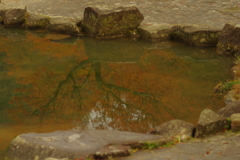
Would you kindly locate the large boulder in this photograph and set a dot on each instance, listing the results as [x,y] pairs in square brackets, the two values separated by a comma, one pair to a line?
[196,36]
[111,23]
[229,109]
[36,21]
[176,129]
[64,25]
[155,33]
[229,40]
[78,144]
[210,123]
[15,16]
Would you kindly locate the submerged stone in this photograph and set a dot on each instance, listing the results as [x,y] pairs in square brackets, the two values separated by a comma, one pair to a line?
[195,36]
[210,123]
[36,21]
[155,33]
[229,109]
[76,144]
[177,129]
[229,40]
[15,16]
[111,23]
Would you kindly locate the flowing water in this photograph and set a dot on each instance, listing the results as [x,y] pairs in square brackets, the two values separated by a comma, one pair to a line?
[54,82]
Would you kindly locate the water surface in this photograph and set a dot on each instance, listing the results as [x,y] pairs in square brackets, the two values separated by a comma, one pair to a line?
[48,83]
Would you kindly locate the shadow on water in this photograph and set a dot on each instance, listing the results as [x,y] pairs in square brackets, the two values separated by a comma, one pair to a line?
[51,84]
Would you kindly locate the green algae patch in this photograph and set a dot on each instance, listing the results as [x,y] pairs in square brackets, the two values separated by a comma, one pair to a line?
[116,22]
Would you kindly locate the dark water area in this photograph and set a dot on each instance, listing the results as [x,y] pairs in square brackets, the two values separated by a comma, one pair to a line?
[54,82]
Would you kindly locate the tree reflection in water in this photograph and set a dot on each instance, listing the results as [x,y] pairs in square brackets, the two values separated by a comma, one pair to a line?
[134,91]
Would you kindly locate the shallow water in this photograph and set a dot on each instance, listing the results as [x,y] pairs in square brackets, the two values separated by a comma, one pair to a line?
[49,84]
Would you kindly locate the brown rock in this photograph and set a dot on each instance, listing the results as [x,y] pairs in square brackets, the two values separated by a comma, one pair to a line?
[113,151]
[15,16]
[210,123]
[229,40]
[111,23]
[235,122]
[195,36]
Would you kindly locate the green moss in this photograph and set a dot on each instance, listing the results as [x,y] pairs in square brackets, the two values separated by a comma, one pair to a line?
[225,87]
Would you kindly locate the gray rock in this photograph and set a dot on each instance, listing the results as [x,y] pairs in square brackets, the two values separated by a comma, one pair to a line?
[3,10]
[15,16]
[155,33]
[233,94]
[176,128]
[195,36]
[229,40]
[36,21]
[113,151]
[111,23]
[74,144]
[235,122]
[64,25]
[229,109]
[210,123]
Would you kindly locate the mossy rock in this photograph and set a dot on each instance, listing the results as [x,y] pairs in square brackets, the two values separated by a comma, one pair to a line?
[195,36]
[229,40]
[36,21]
[111,23]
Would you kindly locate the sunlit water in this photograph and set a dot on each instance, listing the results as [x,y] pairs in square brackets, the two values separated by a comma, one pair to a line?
[48,84]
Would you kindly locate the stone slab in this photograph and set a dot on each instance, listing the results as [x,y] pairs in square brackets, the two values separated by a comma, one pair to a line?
[74,144]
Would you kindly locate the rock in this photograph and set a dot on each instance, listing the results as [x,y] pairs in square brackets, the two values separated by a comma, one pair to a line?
[113,151]
[64,25]
[176,129]
[236,72]
[235,122]
[195,36]
[36,21]
[117,22]
[155,33]
[75,144]
[229,109]
[229,40]
[15,16]
[3,10]
[210,123]
[233,94]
